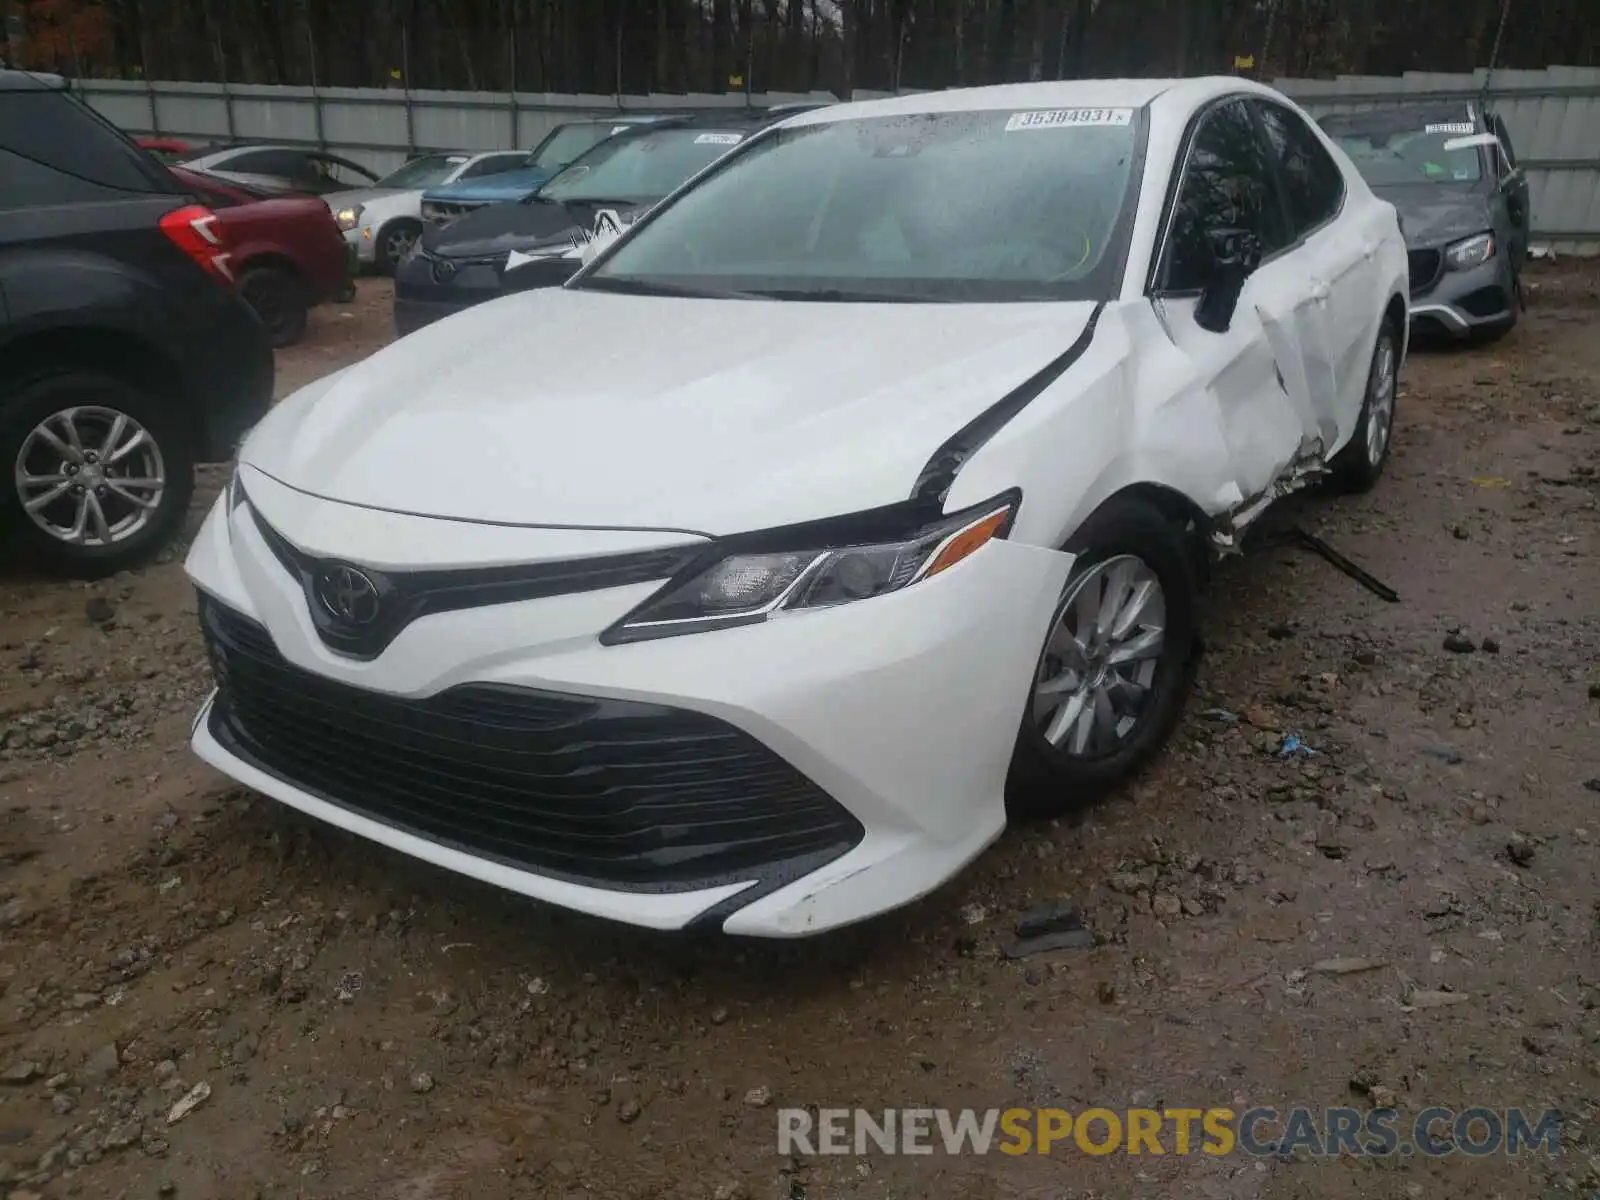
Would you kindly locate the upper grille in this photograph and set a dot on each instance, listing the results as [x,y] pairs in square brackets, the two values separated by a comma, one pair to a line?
[405,596]
[609,793]
[1423,267]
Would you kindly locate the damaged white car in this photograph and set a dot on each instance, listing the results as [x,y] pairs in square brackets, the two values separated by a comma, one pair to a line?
[854,498]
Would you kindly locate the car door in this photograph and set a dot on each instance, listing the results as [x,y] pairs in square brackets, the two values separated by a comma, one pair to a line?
[1252,369]
[1336,322]
[1513,190]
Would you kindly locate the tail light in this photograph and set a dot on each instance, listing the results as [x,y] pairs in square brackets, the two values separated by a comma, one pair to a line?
[194,229]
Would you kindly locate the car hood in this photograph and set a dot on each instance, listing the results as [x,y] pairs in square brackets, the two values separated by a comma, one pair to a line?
[492,189]
[536,227]
[355,196]
[564,407]
[1433,214]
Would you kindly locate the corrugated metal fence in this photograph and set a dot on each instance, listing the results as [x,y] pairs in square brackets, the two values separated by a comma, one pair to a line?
[378,127]
[1553,117]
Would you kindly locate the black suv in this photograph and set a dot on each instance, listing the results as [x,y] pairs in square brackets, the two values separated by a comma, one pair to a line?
[125,356]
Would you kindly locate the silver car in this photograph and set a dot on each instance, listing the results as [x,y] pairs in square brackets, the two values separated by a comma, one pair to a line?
[384,221]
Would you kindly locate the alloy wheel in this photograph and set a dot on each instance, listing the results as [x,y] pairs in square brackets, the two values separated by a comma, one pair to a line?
[1098,668]
[398,244]
[1380,401]
[90,476]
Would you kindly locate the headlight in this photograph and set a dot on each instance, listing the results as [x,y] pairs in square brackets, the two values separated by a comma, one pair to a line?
[1469,252]
[752,579]
[235,490]
[348,218]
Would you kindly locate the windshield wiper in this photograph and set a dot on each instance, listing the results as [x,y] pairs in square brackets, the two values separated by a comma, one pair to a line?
[646,287]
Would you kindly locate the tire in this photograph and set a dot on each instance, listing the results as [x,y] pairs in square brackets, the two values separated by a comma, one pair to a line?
[140,519]
[1359,466]
[387,252]
[1125,536]
[279,301]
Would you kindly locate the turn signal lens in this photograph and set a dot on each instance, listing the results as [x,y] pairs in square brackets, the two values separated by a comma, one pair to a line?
[964,541]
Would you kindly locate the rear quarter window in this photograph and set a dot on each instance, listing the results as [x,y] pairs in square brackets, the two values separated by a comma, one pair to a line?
[56,131]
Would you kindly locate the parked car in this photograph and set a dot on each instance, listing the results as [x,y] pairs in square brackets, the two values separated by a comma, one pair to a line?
[125,355]
[279,168]
[539,241]
[863,483]
[384,221]
[286,252]
[1463,203]
[562,146]
[167,149]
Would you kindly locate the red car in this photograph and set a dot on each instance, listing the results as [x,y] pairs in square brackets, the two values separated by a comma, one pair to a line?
[286,252]
[167,149]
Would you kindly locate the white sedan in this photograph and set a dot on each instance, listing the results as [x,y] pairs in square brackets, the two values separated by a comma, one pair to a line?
[855,498]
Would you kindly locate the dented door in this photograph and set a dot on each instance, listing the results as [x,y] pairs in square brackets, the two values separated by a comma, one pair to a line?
[1255,370]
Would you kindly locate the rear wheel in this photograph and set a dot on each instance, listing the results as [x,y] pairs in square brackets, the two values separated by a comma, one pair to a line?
[97,473]
[1359,465]
[279,301]
[395,241]
[1117,662]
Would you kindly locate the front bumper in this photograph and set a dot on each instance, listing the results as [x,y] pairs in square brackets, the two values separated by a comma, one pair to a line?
[895,717]
[1461,304]
[362,244]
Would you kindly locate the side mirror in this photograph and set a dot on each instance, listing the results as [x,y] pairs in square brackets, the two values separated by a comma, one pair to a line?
[1235,254]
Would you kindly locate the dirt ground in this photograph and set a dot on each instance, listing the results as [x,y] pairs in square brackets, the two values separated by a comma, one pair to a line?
[370,1027]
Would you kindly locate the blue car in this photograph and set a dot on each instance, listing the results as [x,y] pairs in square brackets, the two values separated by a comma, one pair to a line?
[563,144]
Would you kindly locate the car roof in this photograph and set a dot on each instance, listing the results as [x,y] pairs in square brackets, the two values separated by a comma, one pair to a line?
[1400,116]
[30,81]
[1177,96]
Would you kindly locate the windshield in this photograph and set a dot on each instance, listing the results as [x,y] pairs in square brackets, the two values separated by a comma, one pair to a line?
[423,172]
[567,143]
[1410,151]
[640,168]
[966,206]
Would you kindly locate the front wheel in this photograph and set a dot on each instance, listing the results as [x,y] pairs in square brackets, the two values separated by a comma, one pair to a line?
[97,473]
[395,241]
[1117,662]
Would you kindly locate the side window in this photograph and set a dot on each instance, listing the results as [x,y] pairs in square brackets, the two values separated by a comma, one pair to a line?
[343,173]
[1312,180]
[266,162]
[57,131]
[495,164]
[1227,184]
[28,184]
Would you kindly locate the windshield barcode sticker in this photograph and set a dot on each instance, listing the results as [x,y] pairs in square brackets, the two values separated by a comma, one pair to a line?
[1451,127]
[718,139]
[1058,118]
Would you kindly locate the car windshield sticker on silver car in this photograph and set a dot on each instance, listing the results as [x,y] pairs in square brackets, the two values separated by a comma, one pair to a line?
[1056,118]
[1451,127]
[718,139]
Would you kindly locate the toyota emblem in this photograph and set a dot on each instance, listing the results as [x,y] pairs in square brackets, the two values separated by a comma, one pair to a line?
[349,595]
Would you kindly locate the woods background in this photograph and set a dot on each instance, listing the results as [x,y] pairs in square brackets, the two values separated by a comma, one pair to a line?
[606,46]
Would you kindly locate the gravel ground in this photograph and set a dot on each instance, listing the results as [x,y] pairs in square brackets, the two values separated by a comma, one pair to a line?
[340,1021]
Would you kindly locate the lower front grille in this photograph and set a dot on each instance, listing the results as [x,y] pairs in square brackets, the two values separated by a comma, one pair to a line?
[1423,267]
[608,793]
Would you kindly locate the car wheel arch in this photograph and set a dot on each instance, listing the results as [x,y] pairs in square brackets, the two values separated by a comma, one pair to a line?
[274,260]
[1180,509]
[112,352]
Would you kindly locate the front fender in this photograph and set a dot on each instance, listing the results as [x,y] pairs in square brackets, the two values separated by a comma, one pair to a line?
[1129,412]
